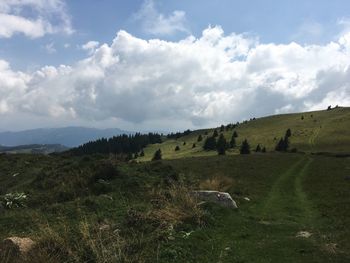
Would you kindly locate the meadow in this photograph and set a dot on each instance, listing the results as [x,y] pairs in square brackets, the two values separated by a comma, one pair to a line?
[97,209]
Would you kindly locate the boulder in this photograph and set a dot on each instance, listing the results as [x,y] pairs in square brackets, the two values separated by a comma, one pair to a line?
[220,198]
[16,246]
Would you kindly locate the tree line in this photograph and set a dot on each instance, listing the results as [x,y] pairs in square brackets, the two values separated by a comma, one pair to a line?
[121,144]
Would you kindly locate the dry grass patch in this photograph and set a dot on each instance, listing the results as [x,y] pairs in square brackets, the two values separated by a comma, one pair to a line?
[218,183]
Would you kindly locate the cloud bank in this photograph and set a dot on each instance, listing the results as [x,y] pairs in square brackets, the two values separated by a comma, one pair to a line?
[33,18]
[197,82]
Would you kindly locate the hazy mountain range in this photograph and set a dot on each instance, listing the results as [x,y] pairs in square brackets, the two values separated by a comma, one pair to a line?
[67,136]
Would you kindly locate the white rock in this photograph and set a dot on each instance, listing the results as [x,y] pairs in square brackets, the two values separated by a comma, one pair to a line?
[221,198]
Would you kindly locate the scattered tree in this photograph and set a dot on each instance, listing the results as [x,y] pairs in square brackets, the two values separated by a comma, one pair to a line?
[209,144]
[245,147]
[193,145]
[233,142]
[302,117]
[222,128]
[329,107]
[157,155]
[215,133]
[221,145]
[235,134]
[258,148]
[263,150]
[200,138]
[177,148]
[288,133]
[184,143]
[142,153]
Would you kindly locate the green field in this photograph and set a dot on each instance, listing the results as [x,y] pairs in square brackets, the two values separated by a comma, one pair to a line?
[318,131]
[289,193]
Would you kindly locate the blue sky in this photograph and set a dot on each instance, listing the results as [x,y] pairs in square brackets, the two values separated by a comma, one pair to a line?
[275,21]
[268,50]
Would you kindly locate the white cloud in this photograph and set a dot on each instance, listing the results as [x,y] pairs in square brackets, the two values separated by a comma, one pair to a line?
[203,81]
[90,46]
[156,23]
[46,17]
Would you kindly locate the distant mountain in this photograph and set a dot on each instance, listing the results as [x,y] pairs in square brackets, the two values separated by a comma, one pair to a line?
[67,136]
[34,148]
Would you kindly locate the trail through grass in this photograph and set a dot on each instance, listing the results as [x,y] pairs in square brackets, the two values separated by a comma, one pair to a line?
[267,231]
[287,202]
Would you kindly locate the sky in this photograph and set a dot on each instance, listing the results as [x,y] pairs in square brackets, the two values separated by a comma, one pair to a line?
[161,65]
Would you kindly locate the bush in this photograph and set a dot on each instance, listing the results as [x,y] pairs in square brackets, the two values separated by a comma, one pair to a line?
[105,171]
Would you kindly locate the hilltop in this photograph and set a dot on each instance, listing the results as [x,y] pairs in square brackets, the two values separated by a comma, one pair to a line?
[315,131]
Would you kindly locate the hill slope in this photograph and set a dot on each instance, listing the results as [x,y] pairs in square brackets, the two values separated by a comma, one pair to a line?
[68,136]
[317,131]
[34,148]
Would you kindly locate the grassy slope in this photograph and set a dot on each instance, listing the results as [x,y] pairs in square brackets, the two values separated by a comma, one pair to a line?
[319,131]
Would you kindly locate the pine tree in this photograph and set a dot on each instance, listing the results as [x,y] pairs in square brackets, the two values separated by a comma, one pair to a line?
[215,133]
[245,147]
[136,155]
[288,133]
[233,142]
[157,155]
[263,150]
[193,145]
[281,145]
[209,144]
[142,153]
[184,143]
[222,128]
[200,138]
[221,145]
[235,134]
[177,148]
[258,148]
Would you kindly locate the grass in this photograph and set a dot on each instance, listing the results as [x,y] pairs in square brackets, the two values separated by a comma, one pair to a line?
[318,131]
[143,212]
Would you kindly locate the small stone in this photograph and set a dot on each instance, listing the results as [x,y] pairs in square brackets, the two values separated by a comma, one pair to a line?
[304,234]
[246,198]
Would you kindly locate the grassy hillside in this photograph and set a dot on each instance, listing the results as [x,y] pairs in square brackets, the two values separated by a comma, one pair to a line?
[318,131]
[92,209]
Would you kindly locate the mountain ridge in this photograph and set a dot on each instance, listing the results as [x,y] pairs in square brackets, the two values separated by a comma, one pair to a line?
[71,136]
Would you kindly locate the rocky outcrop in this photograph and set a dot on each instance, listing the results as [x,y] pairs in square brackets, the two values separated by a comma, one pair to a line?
[220,198]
